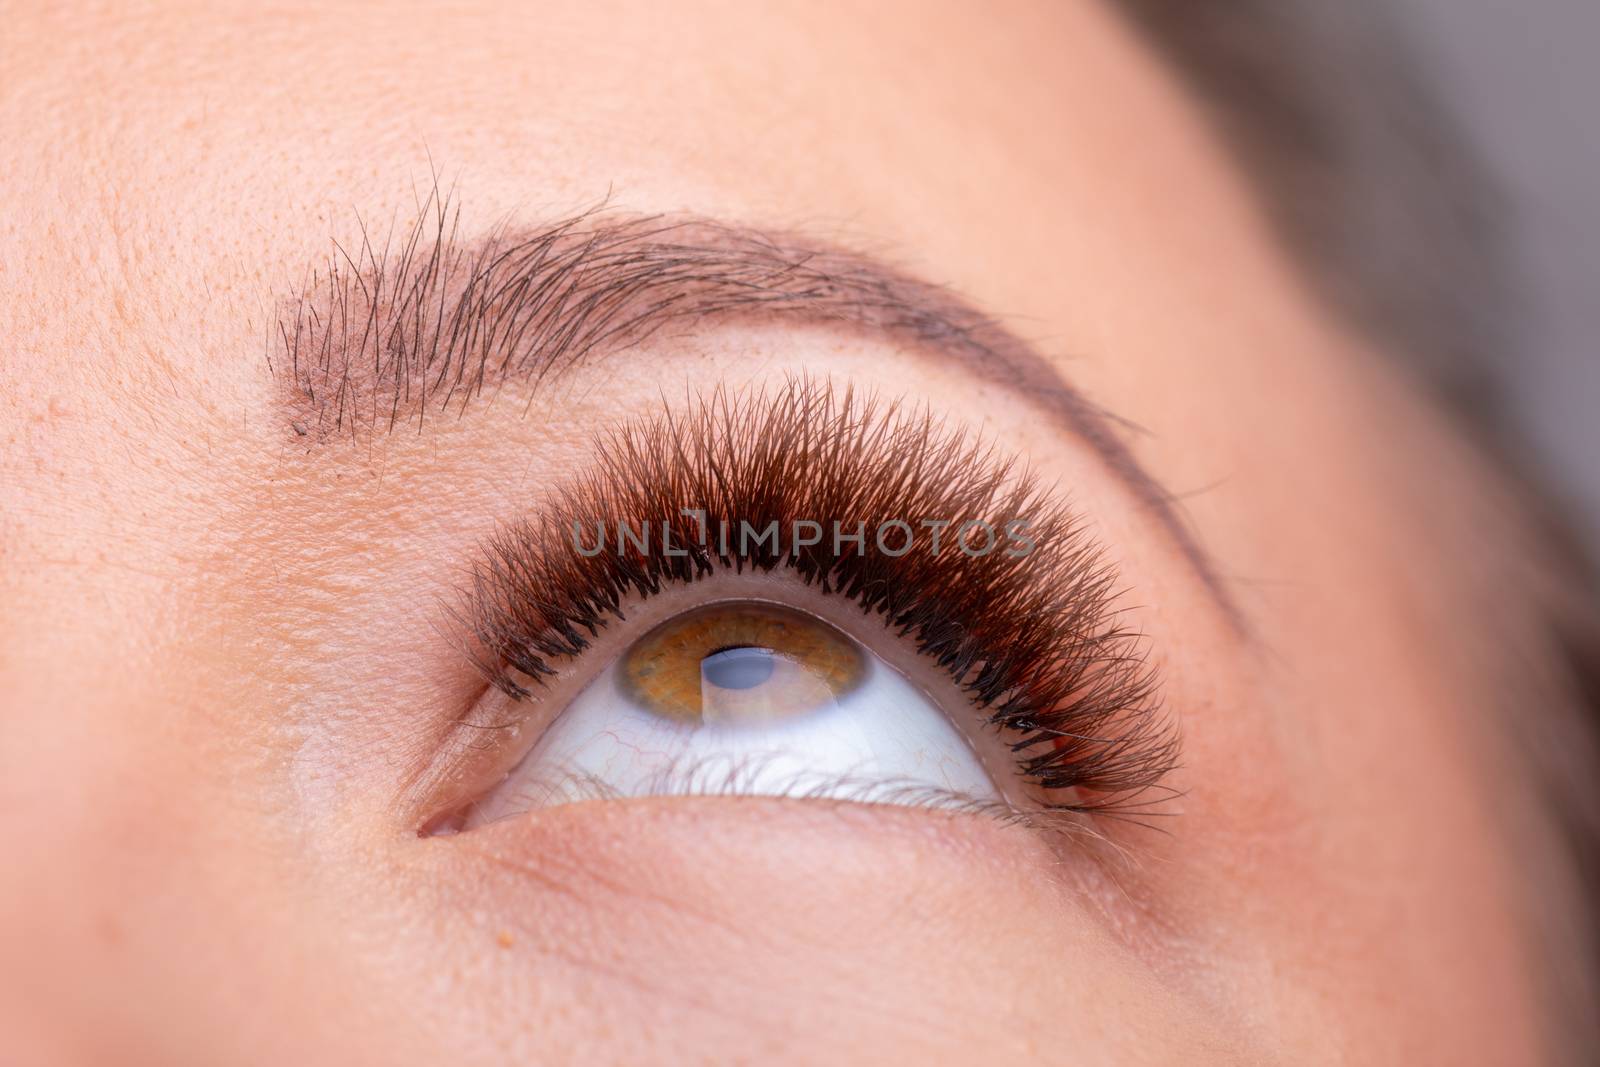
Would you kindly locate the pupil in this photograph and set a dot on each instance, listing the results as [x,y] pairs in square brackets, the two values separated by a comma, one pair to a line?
[743,667]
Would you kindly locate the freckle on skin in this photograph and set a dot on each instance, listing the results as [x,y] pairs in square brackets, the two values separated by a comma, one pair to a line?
[504,939]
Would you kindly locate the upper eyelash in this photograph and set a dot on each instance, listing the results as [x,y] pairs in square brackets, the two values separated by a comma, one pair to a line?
[1035,640]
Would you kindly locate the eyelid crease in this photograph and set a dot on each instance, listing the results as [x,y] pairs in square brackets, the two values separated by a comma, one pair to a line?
[1036,640]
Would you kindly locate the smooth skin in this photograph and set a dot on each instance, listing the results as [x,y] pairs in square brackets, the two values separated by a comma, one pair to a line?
[220,658]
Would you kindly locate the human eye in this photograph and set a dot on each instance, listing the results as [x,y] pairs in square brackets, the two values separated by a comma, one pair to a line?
[746,697]
[802,593]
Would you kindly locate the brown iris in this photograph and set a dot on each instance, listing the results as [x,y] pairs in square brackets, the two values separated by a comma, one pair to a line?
[740,662]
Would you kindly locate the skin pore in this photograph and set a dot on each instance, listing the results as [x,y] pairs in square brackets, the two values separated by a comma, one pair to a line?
[224,653]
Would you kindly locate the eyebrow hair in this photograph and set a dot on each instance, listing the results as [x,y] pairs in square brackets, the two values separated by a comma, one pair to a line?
[389,334]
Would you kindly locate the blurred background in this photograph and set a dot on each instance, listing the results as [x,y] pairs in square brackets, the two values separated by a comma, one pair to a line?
[1522,79]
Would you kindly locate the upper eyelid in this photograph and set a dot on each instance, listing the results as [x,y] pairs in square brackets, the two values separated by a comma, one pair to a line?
[403,330]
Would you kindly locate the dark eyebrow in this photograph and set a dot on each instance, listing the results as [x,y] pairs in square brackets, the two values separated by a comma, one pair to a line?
[384,336]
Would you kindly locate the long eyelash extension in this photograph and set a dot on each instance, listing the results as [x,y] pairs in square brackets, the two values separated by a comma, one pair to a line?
[1034,639]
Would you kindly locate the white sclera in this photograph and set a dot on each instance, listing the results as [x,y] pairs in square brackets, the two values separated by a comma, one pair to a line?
[881,741]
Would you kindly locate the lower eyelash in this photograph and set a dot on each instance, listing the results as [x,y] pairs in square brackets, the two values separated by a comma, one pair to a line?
[1035,640]
[724,777]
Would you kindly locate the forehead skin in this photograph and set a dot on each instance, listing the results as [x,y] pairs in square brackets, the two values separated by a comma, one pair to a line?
[211,639]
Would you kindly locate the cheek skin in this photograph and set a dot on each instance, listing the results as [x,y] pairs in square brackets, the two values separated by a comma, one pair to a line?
[738,924]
